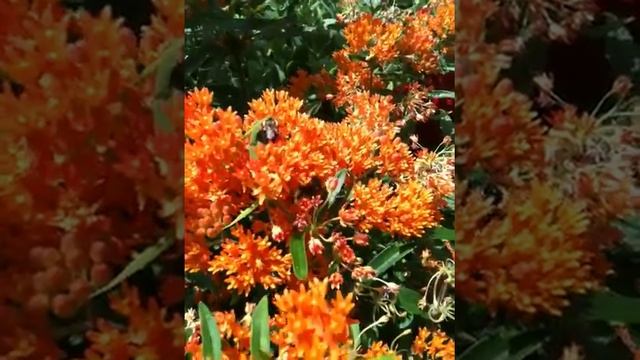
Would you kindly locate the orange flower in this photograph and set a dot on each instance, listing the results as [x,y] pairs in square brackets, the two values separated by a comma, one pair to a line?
[251,261]
[231,329]
[196,253]
[407,211]
[531,258]
[378,349]
[498,128]
[166,23]
[433,345]
[148,335]
[311,326]
[322,83]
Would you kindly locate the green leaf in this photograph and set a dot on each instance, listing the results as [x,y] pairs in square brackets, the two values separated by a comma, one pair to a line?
[253,136]
[442,94]
[138,263]
[613,307]
[524,352]
[168,60]
[242,215]
[260,343]
[299,256]
[494,347]
[408,300]
[211,341]
[389,256]
[341,176]
[160,119]
[170,54]
[442,233]
[445,121]
[354,331]
[451,202]
[631,231]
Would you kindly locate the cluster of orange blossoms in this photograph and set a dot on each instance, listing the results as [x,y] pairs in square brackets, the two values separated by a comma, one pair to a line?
[222,178]
[254,181]
[415,38]
[559,178]
[78,196]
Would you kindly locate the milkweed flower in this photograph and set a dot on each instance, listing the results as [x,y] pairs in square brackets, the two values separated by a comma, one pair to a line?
[499,128]
[251,261]
[311,326]
[374,35]
[149,334]
[408,210]
[378,349]
[433,345]
[528,257]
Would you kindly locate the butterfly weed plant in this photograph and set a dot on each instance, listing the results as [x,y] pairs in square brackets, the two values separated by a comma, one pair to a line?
[318,220]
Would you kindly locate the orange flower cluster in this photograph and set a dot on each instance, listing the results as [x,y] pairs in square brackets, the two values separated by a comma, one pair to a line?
[498,129]
[149,334]
[311,326]
[530,254]
[417,38]
[251,261]
[222,176]
[378,349]
[560,182]
[433,345]
[88,178]
[236,335]
[406,211]
[260,184]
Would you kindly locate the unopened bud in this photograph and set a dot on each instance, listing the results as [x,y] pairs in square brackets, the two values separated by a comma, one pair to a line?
[622,85]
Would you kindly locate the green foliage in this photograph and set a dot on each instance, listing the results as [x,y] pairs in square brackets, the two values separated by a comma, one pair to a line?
[248,46]
[260,348]
[211,341]
[299,256]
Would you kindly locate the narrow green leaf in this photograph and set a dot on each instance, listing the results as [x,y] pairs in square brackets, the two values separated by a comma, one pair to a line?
[299,256]
[260,343]
[442,94]
[354,331]
[242,215]
[389,256]
[160,119]
[524,353]
[443,233]
[493,347]
[211,341]
[138,263]
[172,52]
[613,307]
[253,137]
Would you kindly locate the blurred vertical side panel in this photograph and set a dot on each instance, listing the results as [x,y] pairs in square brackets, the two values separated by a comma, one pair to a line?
[91,254]
[548,188]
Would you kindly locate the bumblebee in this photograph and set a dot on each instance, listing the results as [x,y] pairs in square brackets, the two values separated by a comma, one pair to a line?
[268,131]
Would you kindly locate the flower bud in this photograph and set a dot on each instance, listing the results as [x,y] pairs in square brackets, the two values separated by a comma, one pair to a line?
[361,239]
[315,246]
[622,85]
